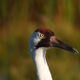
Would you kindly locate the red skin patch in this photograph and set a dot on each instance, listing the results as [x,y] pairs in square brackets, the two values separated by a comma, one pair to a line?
[44,30]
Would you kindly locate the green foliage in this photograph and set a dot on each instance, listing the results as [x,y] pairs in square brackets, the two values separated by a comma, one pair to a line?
[20,18]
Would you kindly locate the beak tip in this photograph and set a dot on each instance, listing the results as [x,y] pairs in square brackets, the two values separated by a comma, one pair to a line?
[75,51]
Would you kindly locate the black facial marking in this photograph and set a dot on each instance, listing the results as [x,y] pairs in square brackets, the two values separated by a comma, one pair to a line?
[44,42]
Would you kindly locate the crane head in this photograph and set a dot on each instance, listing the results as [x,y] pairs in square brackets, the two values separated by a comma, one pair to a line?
[43,37]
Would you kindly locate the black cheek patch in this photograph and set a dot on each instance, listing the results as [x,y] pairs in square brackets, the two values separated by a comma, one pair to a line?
[43,43]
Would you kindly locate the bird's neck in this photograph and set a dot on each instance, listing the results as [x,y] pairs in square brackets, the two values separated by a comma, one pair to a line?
[41,66]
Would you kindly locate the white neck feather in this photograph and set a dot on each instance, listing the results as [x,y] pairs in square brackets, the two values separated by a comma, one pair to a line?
[41,66]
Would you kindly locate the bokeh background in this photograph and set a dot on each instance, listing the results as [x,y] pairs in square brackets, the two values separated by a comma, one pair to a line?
[20,18]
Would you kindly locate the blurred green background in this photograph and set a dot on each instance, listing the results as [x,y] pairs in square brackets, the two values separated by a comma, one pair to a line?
[20,18]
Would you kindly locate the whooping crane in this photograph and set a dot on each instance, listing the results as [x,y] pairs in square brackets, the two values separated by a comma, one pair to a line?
[41,40]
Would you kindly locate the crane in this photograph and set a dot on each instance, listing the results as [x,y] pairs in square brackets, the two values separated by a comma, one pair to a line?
[40,41]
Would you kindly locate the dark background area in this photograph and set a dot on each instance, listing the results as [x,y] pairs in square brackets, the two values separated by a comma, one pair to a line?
[20,18]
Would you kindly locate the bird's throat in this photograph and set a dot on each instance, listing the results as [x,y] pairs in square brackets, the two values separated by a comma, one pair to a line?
[42,68]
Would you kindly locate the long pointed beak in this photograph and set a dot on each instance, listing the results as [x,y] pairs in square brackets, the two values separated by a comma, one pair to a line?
[54,42]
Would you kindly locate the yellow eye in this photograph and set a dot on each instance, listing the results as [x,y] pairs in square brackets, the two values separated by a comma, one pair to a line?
[42,35]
